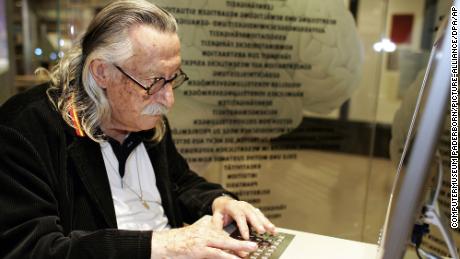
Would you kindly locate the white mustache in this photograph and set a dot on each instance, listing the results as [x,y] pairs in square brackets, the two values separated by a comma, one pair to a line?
[155,109]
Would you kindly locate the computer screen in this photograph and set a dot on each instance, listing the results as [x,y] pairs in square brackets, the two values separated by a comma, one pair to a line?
[421,143]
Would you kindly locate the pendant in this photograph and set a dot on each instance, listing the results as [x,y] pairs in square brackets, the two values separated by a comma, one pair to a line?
[146,205]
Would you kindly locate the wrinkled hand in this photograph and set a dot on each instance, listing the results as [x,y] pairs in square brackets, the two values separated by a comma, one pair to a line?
[199,240]
[226,209]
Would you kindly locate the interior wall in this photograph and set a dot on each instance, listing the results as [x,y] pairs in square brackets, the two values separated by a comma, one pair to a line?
[388,96]
[379,85]
[369,25]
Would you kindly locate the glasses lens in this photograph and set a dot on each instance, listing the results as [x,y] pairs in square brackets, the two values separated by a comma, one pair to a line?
[175,82]
[155,87]
[179,80]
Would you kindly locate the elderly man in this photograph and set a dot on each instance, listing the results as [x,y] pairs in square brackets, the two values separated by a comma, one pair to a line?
[87,164]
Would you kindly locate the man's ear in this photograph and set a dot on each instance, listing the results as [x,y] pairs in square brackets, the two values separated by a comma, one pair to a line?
[100,71]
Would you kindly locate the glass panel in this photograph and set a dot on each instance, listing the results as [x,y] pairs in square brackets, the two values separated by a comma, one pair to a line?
[266,113]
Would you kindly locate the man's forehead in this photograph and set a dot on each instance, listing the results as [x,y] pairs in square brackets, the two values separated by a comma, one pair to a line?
[146,40]
[154,49]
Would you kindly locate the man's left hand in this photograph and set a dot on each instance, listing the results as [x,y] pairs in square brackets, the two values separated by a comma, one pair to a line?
[225,209]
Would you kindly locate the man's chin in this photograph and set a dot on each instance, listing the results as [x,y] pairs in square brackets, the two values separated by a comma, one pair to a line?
[149,121]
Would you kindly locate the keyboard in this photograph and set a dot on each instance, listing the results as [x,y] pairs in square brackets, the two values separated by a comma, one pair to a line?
[270,247]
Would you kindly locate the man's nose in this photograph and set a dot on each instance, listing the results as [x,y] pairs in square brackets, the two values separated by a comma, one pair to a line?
[166,95]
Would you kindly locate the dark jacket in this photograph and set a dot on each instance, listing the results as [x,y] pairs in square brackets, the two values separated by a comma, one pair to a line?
[55,198]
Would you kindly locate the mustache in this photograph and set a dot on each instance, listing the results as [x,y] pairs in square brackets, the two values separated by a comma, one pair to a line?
[155,109]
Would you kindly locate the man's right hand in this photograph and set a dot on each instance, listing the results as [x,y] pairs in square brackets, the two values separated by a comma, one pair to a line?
[199,240]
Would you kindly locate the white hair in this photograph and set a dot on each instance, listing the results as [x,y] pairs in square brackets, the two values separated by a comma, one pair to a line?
[73,85]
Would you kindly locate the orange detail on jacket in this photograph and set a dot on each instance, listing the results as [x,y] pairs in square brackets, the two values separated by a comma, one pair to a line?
[76,122]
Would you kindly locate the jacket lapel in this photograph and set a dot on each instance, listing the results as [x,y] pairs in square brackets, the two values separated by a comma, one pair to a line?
[87,157]
[160,166]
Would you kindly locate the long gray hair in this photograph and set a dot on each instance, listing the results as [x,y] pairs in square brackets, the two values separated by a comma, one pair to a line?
[72,84]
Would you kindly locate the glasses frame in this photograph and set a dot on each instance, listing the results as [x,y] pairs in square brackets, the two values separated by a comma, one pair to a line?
[150,88]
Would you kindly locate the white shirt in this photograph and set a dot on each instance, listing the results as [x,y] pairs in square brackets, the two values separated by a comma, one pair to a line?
[130,212]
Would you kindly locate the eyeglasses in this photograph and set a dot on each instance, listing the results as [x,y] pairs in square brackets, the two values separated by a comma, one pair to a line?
[158,82]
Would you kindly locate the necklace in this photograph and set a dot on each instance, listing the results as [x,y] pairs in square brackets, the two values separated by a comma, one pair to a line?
[141,197]
[123,183]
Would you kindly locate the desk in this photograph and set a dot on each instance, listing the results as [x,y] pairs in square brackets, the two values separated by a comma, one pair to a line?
[307,245]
